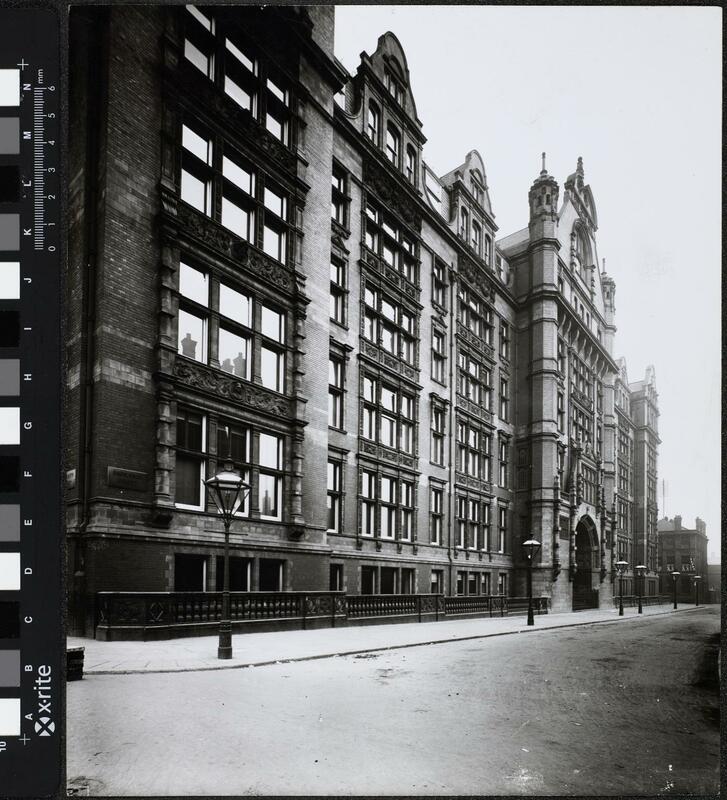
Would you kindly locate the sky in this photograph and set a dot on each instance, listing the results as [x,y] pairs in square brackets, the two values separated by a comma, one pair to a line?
[637,92]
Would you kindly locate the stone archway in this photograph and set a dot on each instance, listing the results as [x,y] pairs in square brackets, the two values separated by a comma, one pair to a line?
[585,594]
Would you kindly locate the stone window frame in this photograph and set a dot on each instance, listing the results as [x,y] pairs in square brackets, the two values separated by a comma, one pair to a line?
[218,171]
[215,320]
[376,502]
[271,92]
[372,406]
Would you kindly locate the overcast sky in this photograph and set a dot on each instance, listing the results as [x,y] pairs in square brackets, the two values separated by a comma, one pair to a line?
[637,93]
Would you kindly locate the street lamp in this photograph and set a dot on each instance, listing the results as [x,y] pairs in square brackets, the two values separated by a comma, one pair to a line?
[640,571]
[697,578]
[621,567]
[228,491]
[531,547]
[674,577]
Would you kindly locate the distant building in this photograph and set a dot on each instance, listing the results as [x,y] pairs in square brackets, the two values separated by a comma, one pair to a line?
[262,266]
[683,550]
[713,583]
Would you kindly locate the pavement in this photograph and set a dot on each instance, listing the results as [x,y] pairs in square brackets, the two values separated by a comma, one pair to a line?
[259,649]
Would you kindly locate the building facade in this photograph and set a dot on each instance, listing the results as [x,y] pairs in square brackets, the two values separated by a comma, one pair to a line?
[684,550]
[243,210]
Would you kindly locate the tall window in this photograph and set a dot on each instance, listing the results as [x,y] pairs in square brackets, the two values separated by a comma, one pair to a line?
[390,242]
[368,503]
[270,460]
[469,378]
[336,370]
[393,87]
[339,196]
[439,356]
[504,400]
[374,122]
[277,112]
[190,459]
[477,237]
[199,41]
[503,463]
[561,357]
[488,249]
[197,173]
[486,377]
[468,449]
[486,456]
[389,501]
[241,81]
[389,324]
[406,499]
[439,284]
[486,581]
[486,531]
[337,303]
[437,435]
[464,223]
[233,441]
[502,529]
[238,211]
[488,327]
[461,522]
[502,583]
[561,412]
[411,164]
[193,313]
[393,144]
[475,521]
[470,310]
[504,340]
[436,505]
[272,356]
[437,581]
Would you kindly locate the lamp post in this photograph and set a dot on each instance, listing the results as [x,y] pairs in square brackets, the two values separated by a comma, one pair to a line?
[621,567]
[640,571]
[674,577]
[697,578]
[228,491]
[531,547]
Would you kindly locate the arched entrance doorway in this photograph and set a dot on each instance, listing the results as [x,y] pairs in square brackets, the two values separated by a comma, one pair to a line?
[584,593]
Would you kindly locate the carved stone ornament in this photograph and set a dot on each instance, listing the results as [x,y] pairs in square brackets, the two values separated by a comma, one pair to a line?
[222,385]
[476,276]
[390,194]
[264,267]
[197,226]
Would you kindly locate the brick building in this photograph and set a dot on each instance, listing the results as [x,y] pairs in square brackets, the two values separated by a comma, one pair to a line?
[684,550]
[242,209]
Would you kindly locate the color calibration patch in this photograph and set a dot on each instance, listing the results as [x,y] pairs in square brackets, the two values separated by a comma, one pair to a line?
[10,558]
[31,635]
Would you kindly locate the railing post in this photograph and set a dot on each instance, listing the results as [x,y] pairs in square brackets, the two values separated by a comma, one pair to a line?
[302,599]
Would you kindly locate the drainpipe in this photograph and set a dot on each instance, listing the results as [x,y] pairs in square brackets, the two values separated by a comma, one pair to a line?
[95,40]
[452,431]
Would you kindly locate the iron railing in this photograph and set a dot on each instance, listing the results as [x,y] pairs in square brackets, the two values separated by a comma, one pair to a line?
[648,600]
[201,610]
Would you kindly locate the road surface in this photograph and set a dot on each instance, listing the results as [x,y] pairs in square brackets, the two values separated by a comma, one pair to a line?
[594,710]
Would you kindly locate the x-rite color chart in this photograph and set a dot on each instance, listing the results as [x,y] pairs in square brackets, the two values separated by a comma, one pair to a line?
[31,679]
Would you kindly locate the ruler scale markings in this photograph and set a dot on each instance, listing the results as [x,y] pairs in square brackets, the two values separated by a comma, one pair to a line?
[30,744]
